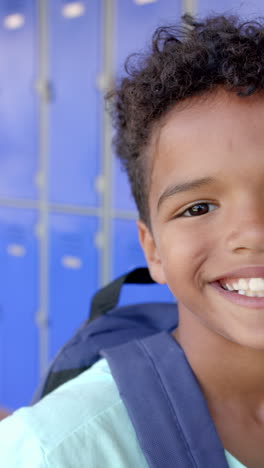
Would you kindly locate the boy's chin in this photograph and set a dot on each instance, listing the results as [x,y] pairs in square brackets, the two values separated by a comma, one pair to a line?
[253,341]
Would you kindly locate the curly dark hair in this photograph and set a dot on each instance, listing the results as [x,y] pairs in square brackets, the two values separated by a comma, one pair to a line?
[184,61]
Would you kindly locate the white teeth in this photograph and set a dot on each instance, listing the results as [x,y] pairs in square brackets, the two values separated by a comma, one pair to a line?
[256,284]
[245,284]
[251,293]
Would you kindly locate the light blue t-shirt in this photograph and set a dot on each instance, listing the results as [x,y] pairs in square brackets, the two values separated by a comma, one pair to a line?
[82,424]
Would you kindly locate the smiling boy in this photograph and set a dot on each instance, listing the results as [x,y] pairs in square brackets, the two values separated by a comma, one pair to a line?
[206,201]
[190,134]
[191,120]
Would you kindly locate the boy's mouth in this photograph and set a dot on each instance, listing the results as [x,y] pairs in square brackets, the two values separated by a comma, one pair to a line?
[244,297]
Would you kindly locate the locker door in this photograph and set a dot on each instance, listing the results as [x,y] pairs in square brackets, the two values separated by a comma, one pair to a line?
[247,10]
[73,275]
[135,23]
[18,109]
[2,331]
[18,306]
[127,255]
[74,111]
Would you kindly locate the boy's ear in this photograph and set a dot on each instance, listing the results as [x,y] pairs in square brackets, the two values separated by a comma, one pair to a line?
[148,245]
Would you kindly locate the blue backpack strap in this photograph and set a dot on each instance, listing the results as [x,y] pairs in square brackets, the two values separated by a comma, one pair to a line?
[165,404]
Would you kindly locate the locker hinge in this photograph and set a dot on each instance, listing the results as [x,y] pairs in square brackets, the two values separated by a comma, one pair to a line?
[45,90]
[104,82]
[41,319]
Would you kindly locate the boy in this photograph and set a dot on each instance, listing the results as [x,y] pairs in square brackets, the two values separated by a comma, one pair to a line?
[190,134]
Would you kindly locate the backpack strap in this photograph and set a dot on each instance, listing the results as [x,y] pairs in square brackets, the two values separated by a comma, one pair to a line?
[107,298]
[165,404]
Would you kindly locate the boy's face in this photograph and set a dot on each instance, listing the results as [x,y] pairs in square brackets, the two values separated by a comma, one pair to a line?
[218,138]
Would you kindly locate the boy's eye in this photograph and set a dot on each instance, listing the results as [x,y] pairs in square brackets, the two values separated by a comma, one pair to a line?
[197,210]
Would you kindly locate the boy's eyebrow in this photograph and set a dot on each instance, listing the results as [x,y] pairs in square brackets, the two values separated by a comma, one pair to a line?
[184,187]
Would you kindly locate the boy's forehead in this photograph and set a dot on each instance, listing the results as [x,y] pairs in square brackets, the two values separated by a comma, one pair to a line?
[194,116]
[197,132]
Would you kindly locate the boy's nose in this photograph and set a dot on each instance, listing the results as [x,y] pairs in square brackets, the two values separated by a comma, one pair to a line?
[246,232]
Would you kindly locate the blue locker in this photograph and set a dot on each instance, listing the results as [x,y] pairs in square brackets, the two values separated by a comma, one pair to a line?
[18,306]
[18,109]
[127,255]
[249,9]
[2,359]
[74,118]
[135,24]
[73,275]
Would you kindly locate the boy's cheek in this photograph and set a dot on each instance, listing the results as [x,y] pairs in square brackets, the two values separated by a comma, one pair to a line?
[176,256]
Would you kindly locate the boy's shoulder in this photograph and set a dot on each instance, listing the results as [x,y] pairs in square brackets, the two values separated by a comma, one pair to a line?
[84,422]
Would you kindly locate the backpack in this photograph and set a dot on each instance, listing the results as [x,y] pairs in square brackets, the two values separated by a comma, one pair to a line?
[107,326]
[173,427]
